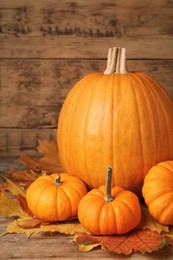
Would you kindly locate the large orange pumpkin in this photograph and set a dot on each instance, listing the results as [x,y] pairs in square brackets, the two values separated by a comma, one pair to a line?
[118,118]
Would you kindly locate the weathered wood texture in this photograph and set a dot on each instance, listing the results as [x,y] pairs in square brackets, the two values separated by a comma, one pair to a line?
[33,91]
[58,246]
[77,29]
[47,46]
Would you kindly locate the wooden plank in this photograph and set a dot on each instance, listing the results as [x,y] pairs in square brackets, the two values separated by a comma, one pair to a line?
[58,246]
[16,142]
[85,29]
[33,91]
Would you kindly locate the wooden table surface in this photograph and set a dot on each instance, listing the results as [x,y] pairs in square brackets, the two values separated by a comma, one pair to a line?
[57,246]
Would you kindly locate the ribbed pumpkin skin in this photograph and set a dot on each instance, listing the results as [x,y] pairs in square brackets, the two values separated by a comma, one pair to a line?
[158,192]
[53,203]
[121,120]
[108,218]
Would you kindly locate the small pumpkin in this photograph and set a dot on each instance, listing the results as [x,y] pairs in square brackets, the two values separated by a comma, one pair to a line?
[118,118]
[106,211]
[158,192]
[55,197]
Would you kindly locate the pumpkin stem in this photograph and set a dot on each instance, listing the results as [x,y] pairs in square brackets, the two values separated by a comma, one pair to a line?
[108,196]
[57,180]
[116,61]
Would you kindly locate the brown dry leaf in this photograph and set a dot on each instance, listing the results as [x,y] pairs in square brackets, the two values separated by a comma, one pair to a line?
[48,162]
[86,243]
[136,241]
[49,150]
[29,223]
[14,228]
[68,228]
[23,204]
[10,207]
[20,177]
[33,225]
[148,222]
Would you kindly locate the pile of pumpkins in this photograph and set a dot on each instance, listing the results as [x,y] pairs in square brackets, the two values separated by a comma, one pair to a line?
[120,122]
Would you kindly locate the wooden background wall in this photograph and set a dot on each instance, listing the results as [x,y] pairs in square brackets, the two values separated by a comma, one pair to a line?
[47,46]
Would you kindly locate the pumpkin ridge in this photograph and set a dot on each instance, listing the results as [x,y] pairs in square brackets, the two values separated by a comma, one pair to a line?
[163,194]
[86,123]
[155,82]
[42,192]
[148,101]
[122,205]
[160,213]
[107,206]
[80,92]
[56,196]
[76,190]
[161,166]
[78,88]
[83,165]
[62,189]
[152,95]
[116,155]
[96,215]
[99,84]
[133,89]
[123,202]
[161,106]
[166,215]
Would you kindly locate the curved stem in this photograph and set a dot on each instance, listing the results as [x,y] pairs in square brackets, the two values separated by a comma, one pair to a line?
[108,196]
[116,61]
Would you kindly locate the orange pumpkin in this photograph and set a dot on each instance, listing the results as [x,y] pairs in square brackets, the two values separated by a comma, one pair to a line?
[118,118]
[158,192]
[106,212]
[55,197]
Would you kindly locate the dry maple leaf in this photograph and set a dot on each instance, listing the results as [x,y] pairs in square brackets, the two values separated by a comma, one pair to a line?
[29,223]
[48,162]
[68,228]
[14,188]
[136,241]
[33,225]
[23,204]
[19,177]
[10,207]
[14,228]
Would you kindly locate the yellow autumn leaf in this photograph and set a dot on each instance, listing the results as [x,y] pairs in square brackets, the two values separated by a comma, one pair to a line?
[13,227]
[10,207]
[31,226]
[85,247]
[68,228]
[15,189]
